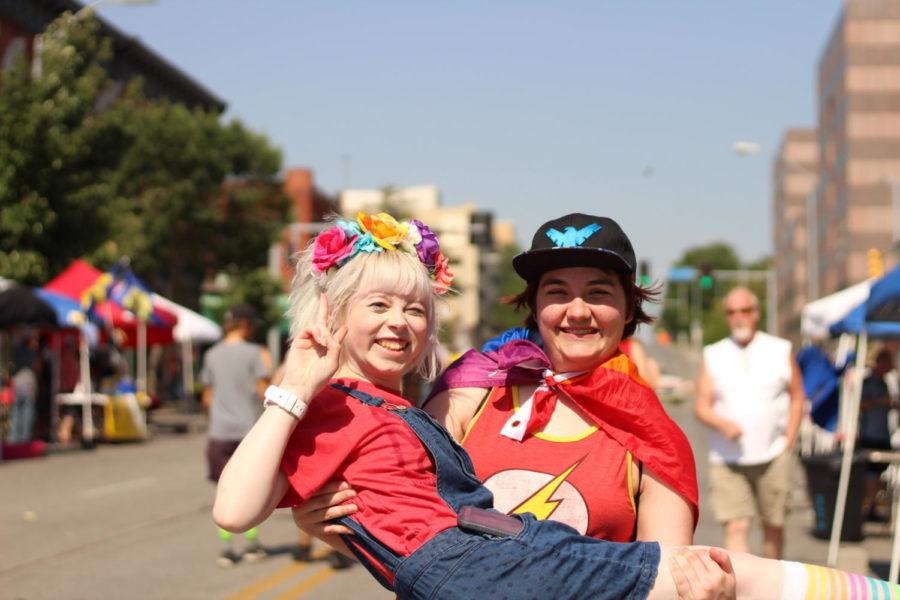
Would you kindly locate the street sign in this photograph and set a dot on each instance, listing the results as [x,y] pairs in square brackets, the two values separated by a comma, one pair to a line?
[681,274]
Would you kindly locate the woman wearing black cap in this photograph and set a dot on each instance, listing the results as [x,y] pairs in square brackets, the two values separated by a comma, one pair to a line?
[607,461]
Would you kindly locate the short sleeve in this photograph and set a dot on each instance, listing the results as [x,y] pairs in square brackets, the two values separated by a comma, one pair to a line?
[318,448]
[260,366]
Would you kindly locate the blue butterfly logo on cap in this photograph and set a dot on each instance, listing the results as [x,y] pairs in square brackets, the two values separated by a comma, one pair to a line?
[571,237]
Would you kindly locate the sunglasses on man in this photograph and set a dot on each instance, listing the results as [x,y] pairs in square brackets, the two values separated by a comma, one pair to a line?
[746,310]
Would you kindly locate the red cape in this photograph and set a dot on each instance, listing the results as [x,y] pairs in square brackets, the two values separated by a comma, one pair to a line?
[613,395]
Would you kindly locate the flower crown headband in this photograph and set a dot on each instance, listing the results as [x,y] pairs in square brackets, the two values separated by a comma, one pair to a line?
[379,233]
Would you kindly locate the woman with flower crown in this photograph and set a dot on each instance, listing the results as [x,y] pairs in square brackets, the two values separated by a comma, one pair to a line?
[363,315]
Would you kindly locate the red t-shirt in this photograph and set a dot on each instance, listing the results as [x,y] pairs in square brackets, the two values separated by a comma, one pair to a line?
[378,454]
[583,481]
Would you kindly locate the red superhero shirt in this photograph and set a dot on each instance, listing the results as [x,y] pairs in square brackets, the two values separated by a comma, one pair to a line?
[584,481]
[340,438]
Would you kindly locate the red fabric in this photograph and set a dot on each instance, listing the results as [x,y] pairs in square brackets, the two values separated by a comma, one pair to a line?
[379,455]
[80,275]
[76,278]
[582,482]
[32,449]
[613,395]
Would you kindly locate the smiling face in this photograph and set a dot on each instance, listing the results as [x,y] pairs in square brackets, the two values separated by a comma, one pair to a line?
[386,334]
[581,313]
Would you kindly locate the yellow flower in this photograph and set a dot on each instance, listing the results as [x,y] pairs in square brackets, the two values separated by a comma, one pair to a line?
[385,229]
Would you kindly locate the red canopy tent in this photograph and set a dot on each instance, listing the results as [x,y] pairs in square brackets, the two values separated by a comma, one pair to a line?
[79,276]
[76,282]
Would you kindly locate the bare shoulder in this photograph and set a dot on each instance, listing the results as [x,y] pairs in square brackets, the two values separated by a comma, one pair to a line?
[454,408]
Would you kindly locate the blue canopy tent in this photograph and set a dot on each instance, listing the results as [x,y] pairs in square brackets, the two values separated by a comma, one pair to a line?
[877,318]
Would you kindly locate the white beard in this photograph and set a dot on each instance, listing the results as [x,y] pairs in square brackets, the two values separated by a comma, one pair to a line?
[742,335]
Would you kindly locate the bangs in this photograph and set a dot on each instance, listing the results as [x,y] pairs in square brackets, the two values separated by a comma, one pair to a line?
[395,273]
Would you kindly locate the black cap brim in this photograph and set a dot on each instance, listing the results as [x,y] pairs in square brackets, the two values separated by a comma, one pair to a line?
[532,264]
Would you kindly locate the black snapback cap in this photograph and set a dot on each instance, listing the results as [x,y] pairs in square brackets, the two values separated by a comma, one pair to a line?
[576,240]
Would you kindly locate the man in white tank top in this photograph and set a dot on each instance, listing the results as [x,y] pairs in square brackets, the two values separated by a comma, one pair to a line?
[750,395]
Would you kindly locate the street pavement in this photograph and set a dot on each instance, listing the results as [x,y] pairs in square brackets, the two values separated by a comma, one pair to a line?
[133,521]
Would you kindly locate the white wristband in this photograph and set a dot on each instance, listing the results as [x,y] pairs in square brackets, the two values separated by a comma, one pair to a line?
[285,400]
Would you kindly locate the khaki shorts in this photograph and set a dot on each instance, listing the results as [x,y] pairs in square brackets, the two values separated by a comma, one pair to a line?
[740,491]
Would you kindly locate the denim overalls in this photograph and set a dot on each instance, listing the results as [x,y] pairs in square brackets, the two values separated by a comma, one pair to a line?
[546,559]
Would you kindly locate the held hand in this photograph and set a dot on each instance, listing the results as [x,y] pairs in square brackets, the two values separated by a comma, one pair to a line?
[703,574]
[731,430]
[314,515]
[314,356]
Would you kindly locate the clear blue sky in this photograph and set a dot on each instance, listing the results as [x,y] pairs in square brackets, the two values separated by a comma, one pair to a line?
[531,109]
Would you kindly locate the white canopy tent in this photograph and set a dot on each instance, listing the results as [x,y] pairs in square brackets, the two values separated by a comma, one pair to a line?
[192,328]
[817,316]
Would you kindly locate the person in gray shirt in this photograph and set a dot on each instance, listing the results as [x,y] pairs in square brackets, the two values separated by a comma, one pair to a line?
[235,375]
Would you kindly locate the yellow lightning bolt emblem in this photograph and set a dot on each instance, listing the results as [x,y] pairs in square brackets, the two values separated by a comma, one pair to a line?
[540,503]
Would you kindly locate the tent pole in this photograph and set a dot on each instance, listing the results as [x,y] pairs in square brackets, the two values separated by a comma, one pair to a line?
[895,544]
[187,370]
[141,356]
[849,444]
[87,418]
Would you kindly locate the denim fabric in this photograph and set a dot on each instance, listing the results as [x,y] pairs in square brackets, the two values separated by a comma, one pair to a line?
[21,427]
[546,559]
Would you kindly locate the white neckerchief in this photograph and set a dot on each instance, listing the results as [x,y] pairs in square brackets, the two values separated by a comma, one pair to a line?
[515,427]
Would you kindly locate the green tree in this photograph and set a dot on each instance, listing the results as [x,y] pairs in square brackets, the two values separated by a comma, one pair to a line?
[681,298]
[57,154]
[503,316]
[194,196]
[83,173]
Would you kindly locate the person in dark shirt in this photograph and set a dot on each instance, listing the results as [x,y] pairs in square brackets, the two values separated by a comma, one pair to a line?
[874,434]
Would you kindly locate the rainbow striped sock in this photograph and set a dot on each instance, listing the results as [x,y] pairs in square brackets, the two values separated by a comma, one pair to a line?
[812,582]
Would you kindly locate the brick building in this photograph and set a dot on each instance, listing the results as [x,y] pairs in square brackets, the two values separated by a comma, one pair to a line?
[795,177]
[22,22]
[859,142]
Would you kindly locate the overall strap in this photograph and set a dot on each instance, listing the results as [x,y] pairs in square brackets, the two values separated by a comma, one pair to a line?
[361,396]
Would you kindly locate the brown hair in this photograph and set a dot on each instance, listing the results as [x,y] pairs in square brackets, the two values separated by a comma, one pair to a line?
[635,296]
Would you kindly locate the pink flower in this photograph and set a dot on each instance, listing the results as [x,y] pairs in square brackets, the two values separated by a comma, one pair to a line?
[442,275]
[331,247]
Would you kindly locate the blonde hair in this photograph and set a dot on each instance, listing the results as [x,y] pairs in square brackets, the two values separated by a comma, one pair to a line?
[393,272]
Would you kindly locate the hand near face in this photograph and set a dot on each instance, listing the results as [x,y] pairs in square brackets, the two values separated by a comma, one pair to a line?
[314,356]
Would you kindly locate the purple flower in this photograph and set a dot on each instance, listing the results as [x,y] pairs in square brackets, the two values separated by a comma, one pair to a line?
[429,248]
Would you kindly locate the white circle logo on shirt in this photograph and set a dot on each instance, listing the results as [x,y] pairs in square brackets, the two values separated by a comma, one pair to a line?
[543,494]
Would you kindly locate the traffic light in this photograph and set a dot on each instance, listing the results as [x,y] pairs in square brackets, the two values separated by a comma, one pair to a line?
[876,262]
[644,273]
[706,280]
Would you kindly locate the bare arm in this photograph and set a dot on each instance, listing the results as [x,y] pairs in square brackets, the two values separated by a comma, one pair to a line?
[703,407]
[455,408]
[798,398]
[252,483]
[664,516]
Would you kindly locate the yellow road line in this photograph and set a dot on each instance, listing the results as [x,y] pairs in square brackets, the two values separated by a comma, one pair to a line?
[267,583]
[307,584]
